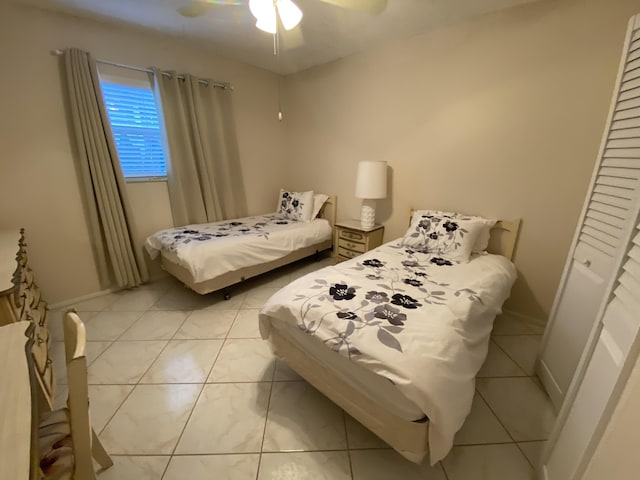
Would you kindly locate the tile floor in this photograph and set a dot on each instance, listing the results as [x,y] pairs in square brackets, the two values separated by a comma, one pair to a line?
[182,386]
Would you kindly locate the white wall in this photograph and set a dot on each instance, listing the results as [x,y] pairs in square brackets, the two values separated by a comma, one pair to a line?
[500,116]
[38,184]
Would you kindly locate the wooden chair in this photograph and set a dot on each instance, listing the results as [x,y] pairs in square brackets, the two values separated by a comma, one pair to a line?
[67,442]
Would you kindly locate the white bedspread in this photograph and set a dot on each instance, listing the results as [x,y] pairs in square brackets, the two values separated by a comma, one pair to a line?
[212,249]
[415,319]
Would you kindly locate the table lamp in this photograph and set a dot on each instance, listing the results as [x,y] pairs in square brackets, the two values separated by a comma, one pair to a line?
[371,184]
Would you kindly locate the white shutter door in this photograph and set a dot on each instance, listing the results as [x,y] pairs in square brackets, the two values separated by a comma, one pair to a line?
[603,231]
[620,327]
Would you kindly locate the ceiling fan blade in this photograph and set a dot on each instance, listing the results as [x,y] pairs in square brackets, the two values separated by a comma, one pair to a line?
[374,7]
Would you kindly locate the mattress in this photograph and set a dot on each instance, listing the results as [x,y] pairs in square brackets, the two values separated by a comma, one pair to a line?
[213,249]
[375,387]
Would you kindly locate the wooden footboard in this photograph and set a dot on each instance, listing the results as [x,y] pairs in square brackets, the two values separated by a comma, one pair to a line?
[408,438]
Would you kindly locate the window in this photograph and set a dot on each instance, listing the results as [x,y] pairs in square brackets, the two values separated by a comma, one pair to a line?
[134,122]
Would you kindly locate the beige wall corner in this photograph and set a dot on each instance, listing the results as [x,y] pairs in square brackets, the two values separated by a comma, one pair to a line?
[500,116]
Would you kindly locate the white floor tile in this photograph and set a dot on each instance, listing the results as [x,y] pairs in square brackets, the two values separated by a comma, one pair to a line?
[521,405]
[54,322]
[104,400]
[57,355]
[308,266]
[156,325]
[95,304]
[507,324]
[481,426]
[533,451]
[182,298]
[135,300]
[498,364]
[360,437]
[301,418]
[243,360]
[256,297]
[246,324]
[135,468]
[208,467]
[234,303]
[387,464]
[124,362]
[183,361]
[150,420]
[217,429]
[284,373]
[205,324]
[228,418]
[487,462]
[523,349]
[305,466]
[93,350]
[108,325]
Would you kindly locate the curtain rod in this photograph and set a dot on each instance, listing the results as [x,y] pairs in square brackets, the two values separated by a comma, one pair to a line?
[223,85]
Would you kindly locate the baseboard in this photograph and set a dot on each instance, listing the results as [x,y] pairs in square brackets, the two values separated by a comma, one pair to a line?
[550,385]
[543,473]
[536,321]
[89,296]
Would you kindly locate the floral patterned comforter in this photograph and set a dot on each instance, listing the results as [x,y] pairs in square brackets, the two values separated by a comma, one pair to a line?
[212,249]
[417,319]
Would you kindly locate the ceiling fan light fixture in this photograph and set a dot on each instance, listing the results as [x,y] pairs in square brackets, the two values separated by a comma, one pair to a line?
[267,21]
[289,13]
[261,8]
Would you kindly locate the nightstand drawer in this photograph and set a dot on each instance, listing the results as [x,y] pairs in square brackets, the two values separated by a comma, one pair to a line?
[351,235]
[343,252]
[350,245]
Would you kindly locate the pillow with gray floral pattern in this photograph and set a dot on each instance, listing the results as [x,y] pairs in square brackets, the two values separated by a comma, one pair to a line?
[444,235]
[295,205]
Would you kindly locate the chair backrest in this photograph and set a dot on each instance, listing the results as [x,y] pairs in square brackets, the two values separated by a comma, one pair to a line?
[75,339]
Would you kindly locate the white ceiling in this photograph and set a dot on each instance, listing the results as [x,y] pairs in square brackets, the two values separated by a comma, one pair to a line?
[326,33]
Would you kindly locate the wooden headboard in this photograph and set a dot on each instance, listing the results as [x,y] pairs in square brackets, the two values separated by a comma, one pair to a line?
[503,236]
[329,210]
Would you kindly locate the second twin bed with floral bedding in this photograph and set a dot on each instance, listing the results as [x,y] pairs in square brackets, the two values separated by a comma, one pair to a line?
[406,325]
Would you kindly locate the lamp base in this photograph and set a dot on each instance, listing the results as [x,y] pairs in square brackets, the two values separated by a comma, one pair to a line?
[368,214]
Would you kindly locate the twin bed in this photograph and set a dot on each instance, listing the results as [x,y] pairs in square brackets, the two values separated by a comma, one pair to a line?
[397,335]
[215,256]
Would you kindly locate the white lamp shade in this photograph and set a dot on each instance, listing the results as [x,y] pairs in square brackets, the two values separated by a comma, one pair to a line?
[371,180]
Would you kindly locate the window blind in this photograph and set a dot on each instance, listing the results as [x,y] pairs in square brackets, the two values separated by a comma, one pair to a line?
[136,129]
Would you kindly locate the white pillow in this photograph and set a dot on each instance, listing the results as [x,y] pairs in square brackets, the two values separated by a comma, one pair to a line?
[482,242]
[318,202]
[295,205]
[443,235]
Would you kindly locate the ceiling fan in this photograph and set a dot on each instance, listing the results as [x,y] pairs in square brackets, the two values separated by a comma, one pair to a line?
[267,12]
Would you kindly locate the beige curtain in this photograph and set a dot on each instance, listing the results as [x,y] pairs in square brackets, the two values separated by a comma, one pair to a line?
[110,220]
[203,169]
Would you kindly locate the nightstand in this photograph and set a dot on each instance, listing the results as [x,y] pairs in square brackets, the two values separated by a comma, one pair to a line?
[353,240]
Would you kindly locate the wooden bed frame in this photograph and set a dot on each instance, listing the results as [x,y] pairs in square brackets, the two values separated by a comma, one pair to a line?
[409,438]
[225,280]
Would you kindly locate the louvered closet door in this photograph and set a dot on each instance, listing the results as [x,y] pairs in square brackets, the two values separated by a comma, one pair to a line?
[614,348]
[603,231]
